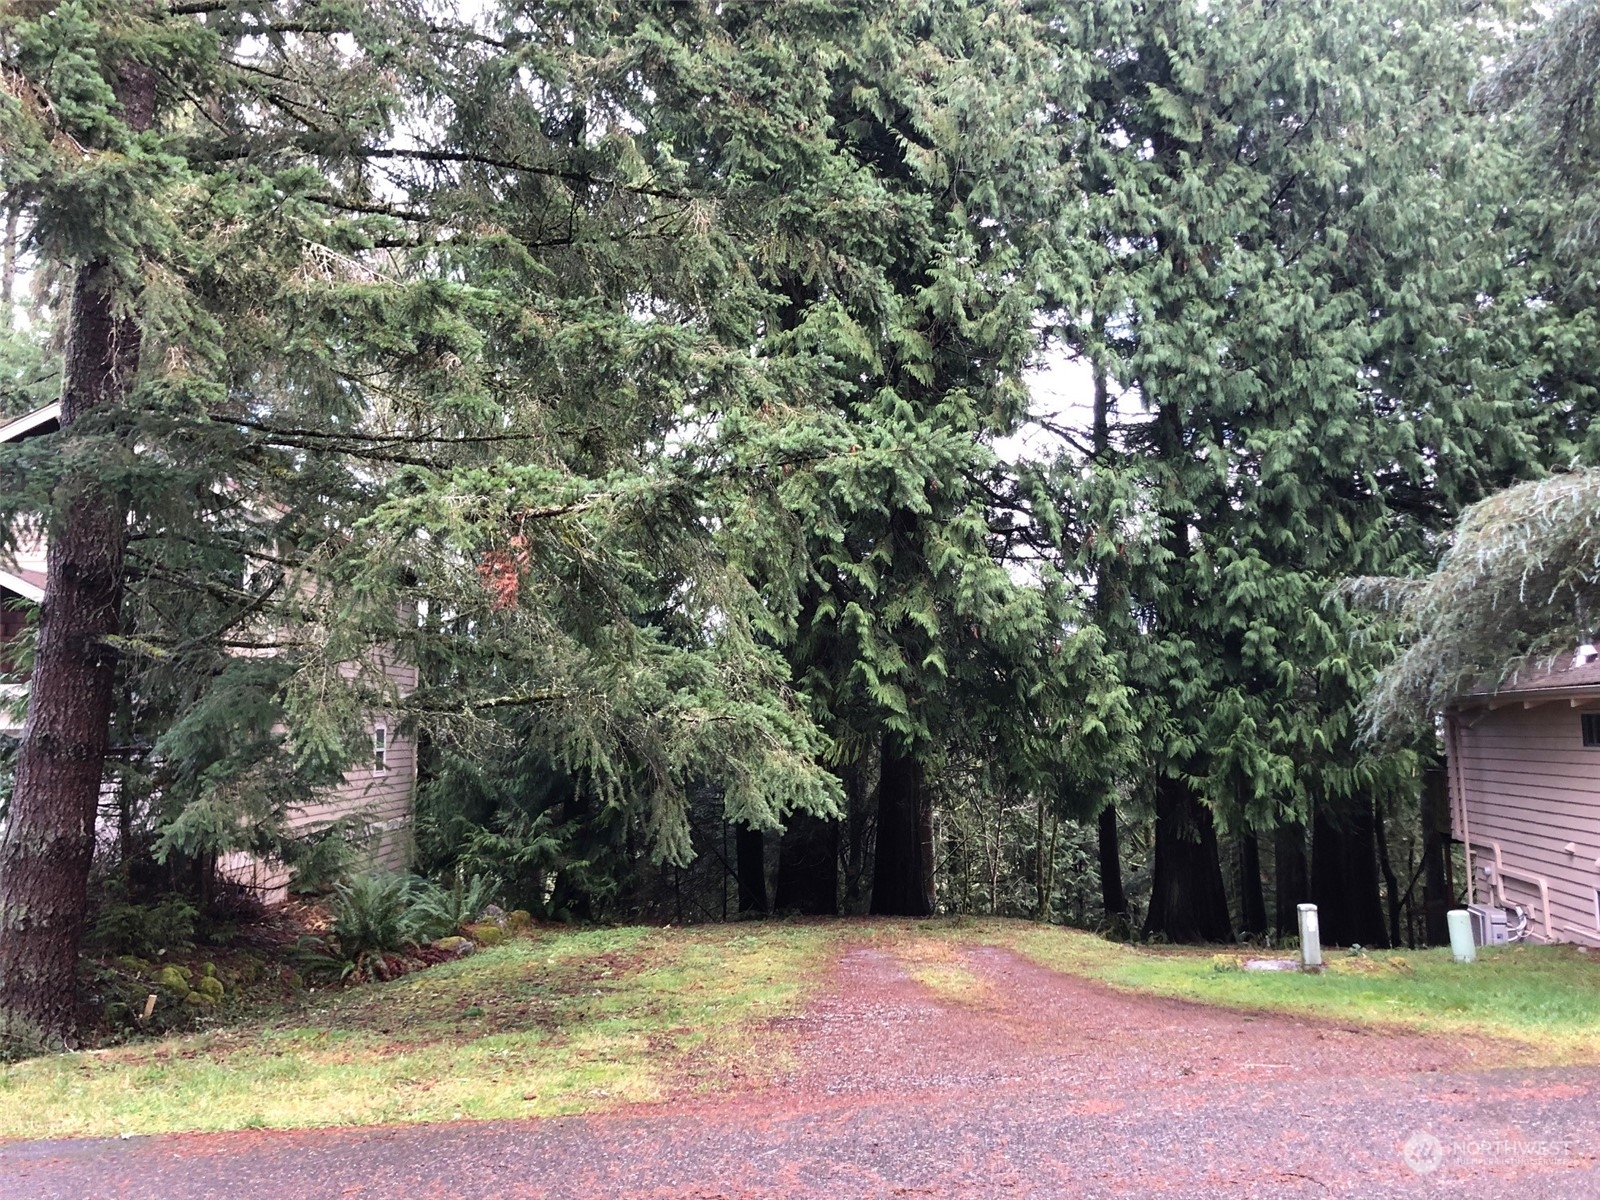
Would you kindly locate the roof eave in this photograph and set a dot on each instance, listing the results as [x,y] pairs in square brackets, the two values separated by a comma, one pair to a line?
[1530,697]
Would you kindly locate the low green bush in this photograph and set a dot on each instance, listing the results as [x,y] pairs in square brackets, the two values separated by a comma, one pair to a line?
[144,929]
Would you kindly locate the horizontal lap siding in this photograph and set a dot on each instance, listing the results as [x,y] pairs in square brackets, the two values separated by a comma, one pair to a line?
[383,799]
[1533,787]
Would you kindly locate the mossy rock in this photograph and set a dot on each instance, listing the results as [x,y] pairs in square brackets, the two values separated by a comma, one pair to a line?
[210,985]
[486,933]
[456,945]
[134,965]
[209,970]
[174,978]
[199,1000]
[518,920]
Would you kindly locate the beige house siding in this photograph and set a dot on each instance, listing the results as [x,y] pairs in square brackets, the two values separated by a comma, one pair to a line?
[383,800]
[1524,784]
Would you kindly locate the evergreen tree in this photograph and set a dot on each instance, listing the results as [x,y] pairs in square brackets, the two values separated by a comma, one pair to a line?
[393,333]
[913,631]
[1520,581]
[1294,220]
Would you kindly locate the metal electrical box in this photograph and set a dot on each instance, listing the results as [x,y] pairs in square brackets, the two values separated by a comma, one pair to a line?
[1488,925]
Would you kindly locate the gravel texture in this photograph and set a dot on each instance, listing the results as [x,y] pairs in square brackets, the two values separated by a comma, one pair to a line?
[1034,1084]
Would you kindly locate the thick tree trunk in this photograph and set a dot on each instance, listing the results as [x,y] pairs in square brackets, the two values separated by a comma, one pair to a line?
[808,867]
[1436,898]
[1344,875]
[1252,901]
[49,839]
[902,878]
[1112,898]
[48,842]
[1188,901]
[1291,878]
[750,854]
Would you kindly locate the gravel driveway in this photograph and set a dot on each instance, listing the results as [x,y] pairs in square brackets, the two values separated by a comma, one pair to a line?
[1035,1085]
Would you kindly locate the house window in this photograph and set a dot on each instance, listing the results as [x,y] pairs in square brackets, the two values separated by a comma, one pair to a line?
[380,748]
[1591,729]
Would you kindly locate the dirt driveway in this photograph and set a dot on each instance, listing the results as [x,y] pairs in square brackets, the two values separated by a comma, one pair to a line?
[1029,1084]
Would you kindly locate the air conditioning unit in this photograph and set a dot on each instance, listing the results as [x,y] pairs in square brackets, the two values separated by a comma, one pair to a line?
[1488,925]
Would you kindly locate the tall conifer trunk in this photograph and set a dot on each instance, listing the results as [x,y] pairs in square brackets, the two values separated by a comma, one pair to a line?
[1391,884]
[902,878]
[1252,903]
[1291,877]
[1436,897]
[859,822]
[750,856]
[1112,897]
[1344,875]
[1188,900]
[1109,600]
[48,842]
[808,867]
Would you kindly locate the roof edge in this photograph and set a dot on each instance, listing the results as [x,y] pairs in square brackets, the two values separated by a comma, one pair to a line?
[21,426]
[16,583]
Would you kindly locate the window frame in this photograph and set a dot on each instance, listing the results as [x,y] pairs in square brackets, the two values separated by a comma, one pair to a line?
[1589,723]
[380,748]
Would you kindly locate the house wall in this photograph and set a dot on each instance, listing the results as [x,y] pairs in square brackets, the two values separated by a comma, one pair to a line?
[384,800]
[30,555]
[1531,786]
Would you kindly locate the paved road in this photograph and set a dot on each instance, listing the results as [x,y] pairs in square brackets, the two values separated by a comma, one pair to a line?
[1036,1086]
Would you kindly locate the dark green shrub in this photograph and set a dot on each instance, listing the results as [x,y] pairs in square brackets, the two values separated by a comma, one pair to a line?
[167,923]
[373,914]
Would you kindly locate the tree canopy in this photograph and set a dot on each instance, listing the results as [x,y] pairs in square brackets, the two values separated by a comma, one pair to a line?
[646,380]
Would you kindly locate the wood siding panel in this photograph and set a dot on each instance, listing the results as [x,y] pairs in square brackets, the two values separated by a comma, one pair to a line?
[1532,787]
[382,800]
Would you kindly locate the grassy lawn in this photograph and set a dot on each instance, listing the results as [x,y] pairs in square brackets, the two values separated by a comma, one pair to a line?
[555,1023]
[1544,999]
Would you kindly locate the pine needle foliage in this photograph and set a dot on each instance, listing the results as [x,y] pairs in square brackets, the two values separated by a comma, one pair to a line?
[1517,584]
[1290,221]
[452,327]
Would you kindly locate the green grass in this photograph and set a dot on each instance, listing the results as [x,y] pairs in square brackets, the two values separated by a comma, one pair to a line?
[1542,1002]
[556,1023]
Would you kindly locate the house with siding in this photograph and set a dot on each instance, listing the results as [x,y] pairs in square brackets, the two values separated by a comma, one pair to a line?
[378,793]
[1525,796]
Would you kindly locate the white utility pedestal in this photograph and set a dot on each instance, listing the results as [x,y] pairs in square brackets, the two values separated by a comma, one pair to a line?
[1461,943]
[1310,937]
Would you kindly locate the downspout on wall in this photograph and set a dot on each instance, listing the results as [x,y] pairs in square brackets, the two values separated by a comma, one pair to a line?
[1458,797]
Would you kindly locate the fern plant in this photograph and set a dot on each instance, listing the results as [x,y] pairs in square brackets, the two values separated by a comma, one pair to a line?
[374,913]
[437,911]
